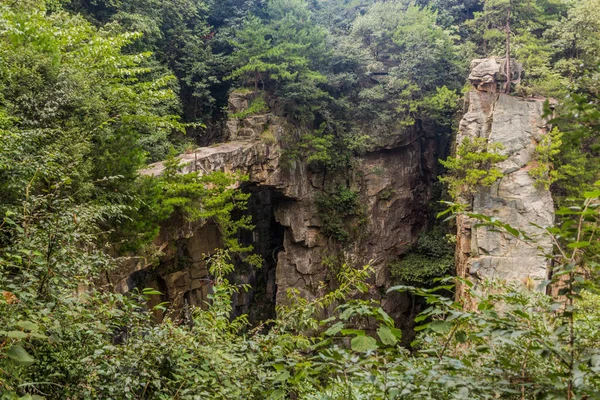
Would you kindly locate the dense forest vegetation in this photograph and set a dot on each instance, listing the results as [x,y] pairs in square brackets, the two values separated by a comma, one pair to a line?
[93,90]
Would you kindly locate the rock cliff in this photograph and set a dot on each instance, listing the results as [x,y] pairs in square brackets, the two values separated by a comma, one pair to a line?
[518,125]
[393,182]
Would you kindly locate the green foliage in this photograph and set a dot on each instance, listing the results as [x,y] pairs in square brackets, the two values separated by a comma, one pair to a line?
[499,15]
[452,13]
[341,214]
[192,197]
[323,150]
[526,343]
[575,37]
[431,258]
[281,52]
[84,105]
[427,54]
[441,106]
[516,344]
[577,118]
[541,77]
[195,197]
[426,68]
[78,118]
[472,167]
[545,154]
[386,194]
[256,106]
[182,41]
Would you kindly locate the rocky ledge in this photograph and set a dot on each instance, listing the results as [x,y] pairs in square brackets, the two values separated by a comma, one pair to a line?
[393,182]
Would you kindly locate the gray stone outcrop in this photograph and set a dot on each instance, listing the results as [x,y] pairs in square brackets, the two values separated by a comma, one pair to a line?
[489,74]
[483,253]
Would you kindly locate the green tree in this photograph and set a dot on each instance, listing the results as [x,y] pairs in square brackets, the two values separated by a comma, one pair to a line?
[452,13]
[182,42]
[75,106]
[414,58]
[498,19]
[427,53]
[575,38]
[281,51]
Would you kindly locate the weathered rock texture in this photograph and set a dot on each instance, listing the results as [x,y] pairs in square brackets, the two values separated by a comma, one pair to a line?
[489,74]
[518,125]
[393,182]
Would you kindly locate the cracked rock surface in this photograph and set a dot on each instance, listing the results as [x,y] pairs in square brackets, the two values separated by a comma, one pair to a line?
[483,253]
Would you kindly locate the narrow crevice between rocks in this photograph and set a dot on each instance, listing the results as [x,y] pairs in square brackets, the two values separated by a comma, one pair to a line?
[267,240]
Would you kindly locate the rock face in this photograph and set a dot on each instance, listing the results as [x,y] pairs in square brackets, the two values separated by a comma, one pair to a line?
[393,185]
[514,199]
[489,74]
[393,181]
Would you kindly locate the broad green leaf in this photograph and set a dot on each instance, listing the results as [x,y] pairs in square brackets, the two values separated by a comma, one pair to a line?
[150,291]
[357,332]
[277,394]
[396,332]
[386,318]
[592,195]
[17,334]
[578,245]
[386,336]
[279,367]
[439,326]
[334,329]
[28,326]
[283,376]
[363,344]
[400,288]
[38,335]
[461,337]
[20,356]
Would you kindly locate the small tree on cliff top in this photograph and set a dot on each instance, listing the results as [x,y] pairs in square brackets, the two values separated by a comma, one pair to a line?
[498,19]
[282,48]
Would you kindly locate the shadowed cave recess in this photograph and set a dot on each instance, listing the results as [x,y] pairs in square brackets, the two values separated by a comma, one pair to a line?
[267,241]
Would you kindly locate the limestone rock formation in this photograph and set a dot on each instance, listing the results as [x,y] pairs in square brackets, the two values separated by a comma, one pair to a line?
[518,125]
[488,74]
[392,181]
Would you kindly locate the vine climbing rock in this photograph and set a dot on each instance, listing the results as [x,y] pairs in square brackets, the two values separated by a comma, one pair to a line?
[518,125]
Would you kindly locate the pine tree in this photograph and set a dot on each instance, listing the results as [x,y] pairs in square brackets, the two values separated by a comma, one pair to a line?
[499,17]
[283,47]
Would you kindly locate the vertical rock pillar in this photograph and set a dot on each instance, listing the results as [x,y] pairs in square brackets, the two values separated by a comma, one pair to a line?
[518,125]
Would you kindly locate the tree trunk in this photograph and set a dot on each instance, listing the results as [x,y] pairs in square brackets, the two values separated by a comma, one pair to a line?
[507,68]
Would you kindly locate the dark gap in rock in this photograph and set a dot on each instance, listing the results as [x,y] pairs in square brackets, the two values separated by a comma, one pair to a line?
[267,239]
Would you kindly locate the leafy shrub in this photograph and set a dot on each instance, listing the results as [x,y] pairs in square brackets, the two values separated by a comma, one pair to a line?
[326,149]
[545,154]
[191,197]
[473,166]
[432,257]
[341,214]
[257,105]
[516,344]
